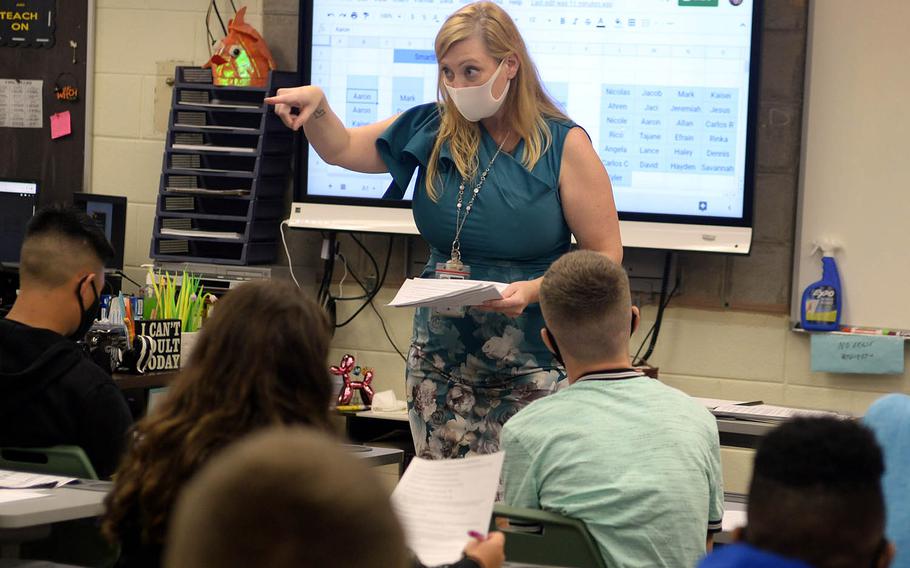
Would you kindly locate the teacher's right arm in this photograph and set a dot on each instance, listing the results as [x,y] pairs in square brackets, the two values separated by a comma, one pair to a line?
[350,148]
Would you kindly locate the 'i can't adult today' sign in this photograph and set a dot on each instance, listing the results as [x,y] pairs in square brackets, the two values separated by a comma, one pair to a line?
[159,345]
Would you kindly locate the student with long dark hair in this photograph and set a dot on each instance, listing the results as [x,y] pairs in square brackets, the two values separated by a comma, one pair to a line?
[260,361]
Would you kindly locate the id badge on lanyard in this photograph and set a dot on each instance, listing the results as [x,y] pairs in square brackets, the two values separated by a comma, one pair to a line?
[452,271]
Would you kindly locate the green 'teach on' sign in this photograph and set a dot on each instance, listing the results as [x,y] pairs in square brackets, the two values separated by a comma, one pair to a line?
[27,23]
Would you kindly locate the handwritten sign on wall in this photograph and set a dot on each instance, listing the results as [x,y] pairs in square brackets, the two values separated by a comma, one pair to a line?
[866,354]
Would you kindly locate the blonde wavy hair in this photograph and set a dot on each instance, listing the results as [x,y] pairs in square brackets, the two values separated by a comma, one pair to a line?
[527,104]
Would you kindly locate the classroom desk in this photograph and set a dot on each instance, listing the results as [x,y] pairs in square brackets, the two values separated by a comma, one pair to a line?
[61,504]
[136,388]
[368,425]
[87,499]
[742,433]
[129,381]
[375,457]
[31,519]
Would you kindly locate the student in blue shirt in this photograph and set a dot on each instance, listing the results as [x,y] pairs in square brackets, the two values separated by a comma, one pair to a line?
[889,418]
[815,501]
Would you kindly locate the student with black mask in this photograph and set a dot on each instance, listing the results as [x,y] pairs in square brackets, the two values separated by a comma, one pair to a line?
[50,392]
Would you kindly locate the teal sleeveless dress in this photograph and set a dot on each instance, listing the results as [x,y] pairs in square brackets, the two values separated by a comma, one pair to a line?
[467,376]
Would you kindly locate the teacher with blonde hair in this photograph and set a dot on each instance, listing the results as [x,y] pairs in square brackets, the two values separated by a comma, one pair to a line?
[504,178]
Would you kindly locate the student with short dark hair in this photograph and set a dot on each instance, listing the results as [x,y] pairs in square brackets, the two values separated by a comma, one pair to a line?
[636,460]
[815,501]
[292,498]
[51,393]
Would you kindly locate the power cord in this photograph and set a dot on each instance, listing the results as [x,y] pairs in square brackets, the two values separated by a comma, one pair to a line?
[122,274]
[379,283]
[661,306]
[287,252]
[635,359]
[382,322]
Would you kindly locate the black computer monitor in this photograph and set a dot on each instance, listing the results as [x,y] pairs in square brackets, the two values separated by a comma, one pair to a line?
[18,201]
[109,211]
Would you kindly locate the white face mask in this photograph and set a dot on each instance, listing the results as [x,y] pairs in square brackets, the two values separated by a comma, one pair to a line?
[476,103]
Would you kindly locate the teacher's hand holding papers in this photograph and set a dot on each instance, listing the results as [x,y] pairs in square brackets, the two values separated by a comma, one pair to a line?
[443,293]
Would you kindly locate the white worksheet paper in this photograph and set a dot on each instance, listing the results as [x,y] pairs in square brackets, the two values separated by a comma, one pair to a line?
[734,519]
[11,495]
[444,293]
[23,480]
[768,412]
[712,403]
[439,501]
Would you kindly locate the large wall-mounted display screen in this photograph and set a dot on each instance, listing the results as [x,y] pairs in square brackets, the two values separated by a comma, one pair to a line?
[665,88]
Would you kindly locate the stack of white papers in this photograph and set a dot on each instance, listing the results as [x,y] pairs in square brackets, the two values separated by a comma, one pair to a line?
[712,403]
[768,413]
[445,293]
[439,501]
[23,480]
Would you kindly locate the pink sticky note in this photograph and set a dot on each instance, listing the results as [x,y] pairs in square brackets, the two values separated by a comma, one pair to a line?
[60,125]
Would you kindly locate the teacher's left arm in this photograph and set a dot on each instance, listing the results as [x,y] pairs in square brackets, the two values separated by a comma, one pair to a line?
[587,203]
[587,197]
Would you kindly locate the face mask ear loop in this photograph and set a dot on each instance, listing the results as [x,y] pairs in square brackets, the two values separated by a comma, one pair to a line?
[556,354]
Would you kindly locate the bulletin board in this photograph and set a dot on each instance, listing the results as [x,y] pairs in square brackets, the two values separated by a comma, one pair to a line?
[855,166]
[35,46]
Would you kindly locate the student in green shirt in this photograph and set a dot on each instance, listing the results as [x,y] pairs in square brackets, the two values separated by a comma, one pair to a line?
[636,460]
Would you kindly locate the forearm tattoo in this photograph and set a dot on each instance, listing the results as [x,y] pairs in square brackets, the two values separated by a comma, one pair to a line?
[319,112]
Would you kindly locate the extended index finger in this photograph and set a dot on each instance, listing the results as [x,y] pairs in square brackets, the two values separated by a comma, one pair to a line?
[286,98]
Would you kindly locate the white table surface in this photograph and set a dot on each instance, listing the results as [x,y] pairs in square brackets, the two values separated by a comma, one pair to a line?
[58,505]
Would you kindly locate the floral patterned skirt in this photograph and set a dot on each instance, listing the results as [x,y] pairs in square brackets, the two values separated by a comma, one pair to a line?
[467,376]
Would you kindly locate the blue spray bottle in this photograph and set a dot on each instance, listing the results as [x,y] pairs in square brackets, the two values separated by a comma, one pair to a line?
[823,301]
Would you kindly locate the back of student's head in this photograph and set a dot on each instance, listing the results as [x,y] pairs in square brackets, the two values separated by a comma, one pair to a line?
[260,360]
[285,498]
[58,244]
[816,494]
[586,303]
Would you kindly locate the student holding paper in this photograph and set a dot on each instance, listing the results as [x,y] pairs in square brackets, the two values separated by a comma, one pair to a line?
[266,502]
[636,460]
[503,179]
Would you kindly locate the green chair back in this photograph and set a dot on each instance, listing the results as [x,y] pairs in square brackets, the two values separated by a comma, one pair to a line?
[541,537]
[69,461]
